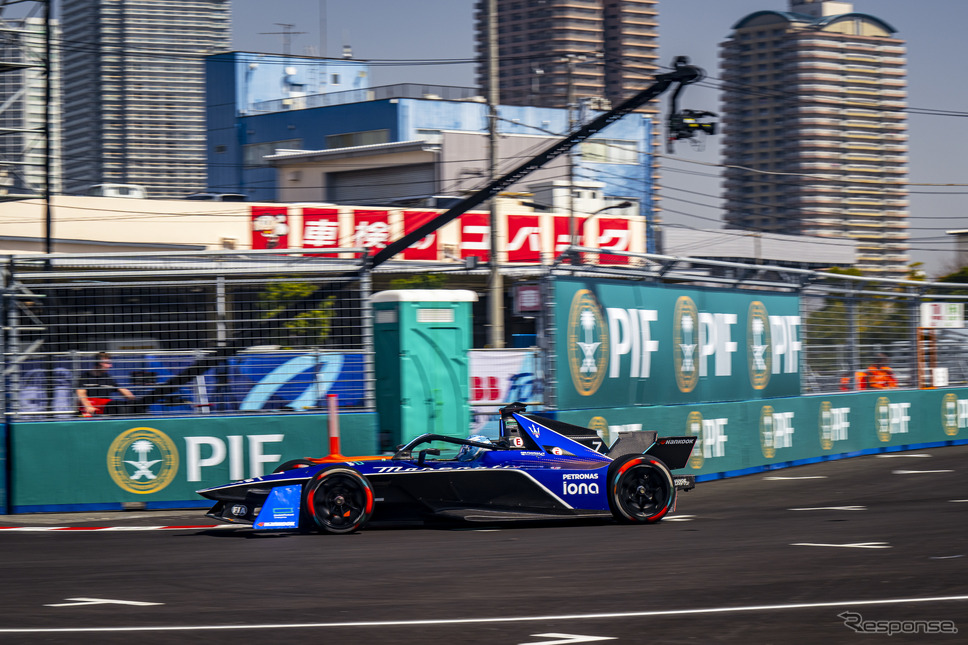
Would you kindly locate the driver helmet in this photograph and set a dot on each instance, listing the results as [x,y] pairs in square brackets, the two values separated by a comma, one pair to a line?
[470,453]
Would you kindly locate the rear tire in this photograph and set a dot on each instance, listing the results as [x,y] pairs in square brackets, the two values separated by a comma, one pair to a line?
[641,489]
[339,500]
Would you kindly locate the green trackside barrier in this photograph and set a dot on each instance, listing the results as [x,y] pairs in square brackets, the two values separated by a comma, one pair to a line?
[750,436]
[4,508]
[97,464]
[620,343]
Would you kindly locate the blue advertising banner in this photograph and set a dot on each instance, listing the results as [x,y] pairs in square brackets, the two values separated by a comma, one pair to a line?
[249,382]
[622,343]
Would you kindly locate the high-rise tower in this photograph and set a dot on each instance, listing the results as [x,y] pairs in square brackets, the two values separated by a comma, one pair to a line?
[814,129]
[600,48]
[134,91]
[24,111]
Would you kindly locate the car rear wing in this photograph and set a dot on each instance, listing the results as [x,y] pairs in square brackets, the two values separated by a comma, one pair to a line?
[673,451]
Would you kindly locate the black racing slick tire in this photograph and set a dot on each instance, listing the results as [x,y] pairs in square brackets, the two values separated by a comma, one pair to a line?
[292,463]
[339,500]
[641,489]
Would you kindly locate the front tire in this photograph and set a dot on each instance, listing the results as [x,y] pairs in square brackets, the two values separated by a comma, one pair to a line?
[339,500]
[641,489]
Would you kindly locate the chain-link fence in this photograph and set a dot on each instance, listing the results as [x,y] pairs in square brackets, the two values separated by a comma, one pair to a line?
[853,329]
[246,332]
[192,334]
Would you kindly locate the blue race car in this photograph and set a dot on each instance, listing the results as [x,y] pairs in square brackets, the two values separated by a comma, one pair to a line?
[537,469]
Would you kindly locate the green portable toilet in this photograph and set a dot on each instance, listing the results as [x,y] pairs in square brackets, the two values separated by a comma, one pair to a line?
[421,338]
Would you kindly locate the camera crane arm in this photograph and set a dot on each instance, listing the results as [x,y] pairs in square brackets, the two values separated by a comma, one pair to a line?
[682,74]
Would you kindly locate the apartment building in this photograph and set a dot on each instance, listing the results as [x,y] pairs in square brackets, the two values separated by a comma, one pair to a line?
[553,52]
[134,91]
[814,129]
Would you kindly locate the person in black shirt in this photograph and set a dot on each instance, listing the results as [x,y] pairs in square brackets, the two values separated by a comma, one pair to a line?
[96,387]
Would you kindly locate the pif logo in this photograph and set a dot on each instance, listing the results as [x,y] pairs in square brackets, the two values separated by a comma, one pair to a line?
[142,460]
[758,351]
[891,418]
[694,427]
[685,325]
[833,424]
[776,431]
[587,343]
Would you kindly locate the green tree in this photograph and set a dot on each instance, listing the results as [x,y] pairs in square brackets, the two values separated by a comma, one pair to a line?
[420,281]
[303,321]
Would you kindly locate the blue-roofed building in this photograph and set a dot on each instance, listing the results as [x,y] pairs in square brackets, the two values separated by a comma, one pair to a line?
[246,84]
[401,144]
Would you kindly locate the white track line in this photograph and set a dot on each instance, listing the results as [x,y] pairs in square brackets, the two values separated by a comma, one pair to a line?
[830,508]
[901,455]
[919,472]
[503,619]
[855,545]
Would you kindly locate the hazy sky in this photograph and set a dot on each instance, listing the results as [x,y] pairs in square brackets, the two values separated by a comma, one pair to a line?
[388,32]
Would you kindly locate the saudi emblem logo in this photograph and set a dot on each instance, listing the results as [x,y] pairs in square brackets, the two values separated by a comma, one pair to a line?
[694,427]
[882,418]
[759,355]
[949,414]
[142,460]
[685,326]
[587,343]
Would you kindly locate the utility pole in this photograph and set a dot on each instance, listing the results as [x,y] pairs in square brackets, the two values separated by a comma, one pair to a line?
[48,148]
[495,287]
[570,100]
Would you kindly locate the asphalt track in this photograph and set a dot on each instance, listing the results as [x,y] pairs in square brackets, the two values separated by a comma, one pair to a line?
[775,557]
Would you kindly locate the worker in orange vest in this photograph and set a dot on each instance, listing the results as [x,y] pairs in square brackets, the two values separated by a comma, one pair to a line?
[879,375]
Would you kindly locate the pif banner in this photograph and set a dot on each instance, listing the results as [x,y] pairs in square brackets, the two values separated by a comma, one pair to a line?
[624,344]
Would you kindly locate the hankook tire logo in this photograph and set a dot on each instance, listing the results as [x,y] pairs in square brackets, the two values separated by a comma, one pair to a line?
[587,343]
[685,329]
[758,349]
[142,460]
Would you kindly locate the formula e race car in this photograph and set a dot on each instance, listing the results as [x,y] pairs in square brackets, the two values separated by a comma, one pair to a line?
[537,469]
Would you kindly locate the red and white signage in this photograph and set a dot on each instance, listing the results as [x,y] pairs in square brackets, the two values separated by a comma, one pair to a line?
[426,248]
[475,236]
[524,238]
[613,235]
[320,229]
[270,227]
[562,227]
[371,229]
